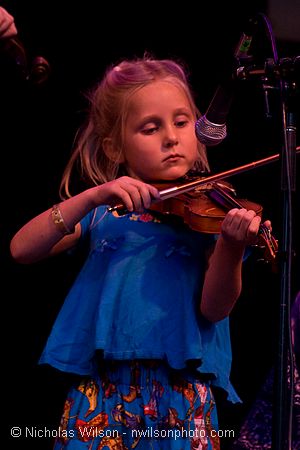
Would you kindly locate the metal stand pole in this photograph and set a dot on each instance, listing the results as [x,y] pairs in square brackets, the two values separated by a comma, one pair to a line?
[283,406]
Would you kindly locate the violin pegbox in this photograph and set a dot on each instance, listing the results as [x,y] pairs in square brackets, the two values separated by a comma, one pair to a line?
[268,245]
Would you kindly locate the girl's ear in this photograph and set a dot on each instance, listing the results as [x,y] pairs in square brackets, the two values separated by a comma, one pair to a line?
[112,151]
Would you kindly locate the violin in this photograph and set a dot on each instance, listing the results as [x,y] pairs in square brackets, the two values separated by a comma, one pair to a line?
[203,203]
[204,208]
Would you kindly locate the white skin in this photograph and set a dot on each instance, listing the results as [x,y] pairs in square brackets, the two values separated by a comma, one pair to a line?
[160,144]
[160,140]
[7,24]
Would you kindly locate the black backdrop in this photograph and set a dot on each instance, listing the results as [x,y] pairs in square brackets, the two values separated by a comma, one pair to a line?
[38,124]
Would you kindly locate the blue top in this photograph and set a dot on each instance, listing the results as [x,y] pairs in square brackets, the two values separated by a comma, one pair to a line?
[137,296]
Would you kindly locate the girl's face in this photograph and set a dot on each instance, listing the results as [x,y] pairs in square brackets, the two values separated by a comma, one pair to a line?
[160,141]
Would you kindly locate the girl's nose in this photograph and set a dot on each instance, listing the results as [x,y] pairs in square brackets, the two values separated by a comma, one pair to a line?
[170,138]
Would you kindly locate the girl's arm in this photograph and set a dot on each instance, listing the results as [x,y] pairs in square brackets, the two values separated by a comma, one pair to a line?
[223,278]
[41,237]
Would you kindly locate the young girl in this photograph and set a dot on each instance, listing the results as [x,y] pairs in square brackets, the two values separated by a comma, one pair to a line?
[146,321]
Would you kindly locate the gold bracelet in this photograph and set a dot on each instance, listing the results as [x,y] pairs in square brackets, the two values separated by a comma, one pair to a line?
[59,221]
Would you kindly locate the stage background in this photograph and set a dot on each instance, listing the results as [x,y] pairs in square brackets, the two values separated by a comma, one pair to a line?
[38,124]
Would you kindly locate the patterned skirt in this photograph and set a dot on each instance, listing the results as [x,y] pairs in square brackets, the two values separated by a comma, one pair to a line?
[139,404]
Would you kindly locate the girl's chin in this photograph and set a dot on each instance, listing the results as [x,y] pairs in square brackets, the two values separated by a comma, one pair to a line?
[175,174]
[172,174]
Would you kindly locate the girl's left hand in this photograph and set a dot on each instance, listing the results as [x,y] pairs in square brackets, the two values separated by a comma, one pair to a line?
[241,226]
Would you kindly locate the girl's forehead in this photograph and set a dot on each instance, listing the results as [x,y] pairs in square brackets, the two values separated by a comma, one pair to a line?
[159,94]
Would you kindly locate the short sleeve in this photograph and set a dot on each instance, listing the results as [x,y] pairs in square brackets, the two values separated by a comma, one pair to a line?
[90,220]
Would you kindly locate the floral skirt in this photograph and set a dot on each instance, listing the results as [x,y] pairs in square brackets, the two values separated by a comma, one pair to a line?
[139,404]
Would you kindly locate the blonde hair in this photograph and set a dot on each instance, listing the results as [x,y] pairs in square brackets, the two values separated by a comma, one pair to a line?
[107,118]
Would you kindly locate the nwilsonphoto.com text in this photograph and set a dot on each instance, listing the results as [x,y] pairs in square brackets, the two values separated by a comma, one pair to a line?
[86,433]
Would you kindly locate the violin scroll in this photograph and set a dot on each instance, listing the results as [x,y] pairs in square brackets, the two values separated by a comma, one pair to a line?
[267,242]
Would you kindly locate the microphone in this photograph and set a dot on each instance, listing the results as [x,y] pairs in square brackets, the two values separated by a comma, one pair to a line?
[37,72]
[211,128]
[40,70]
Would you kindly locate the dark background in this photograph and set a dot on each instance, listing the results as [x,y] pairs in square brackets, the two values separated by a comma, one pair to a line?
[38,124]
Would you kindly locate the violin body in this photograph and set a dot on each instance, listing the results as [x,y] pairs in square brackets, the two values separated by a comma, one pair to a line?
[199,211]
[203,204]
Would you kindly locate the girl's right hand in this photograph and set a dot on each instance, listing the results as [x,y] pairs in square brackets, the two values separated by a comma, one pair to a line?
[130,192]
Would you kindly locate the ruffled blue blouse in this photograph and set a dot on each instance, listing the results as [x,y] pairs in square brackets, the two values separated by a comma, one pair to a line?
[137,296]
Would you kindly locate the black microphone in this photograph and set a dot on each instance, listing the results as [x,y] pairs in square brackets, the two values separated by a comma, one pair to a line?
[211,128]
[37,72]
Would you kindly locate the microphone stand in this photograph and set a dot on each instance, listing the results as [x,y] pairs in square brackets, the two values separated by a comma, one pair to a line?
[283,72]
[283,398]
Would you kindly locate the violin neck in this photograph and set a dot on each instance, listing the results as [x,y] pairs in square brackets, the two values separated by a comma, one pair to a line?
[223,198]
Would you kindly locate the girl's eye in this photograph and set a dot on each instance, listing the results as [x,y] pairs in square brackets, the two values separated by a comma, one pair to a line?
[150,130]
[181,123]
